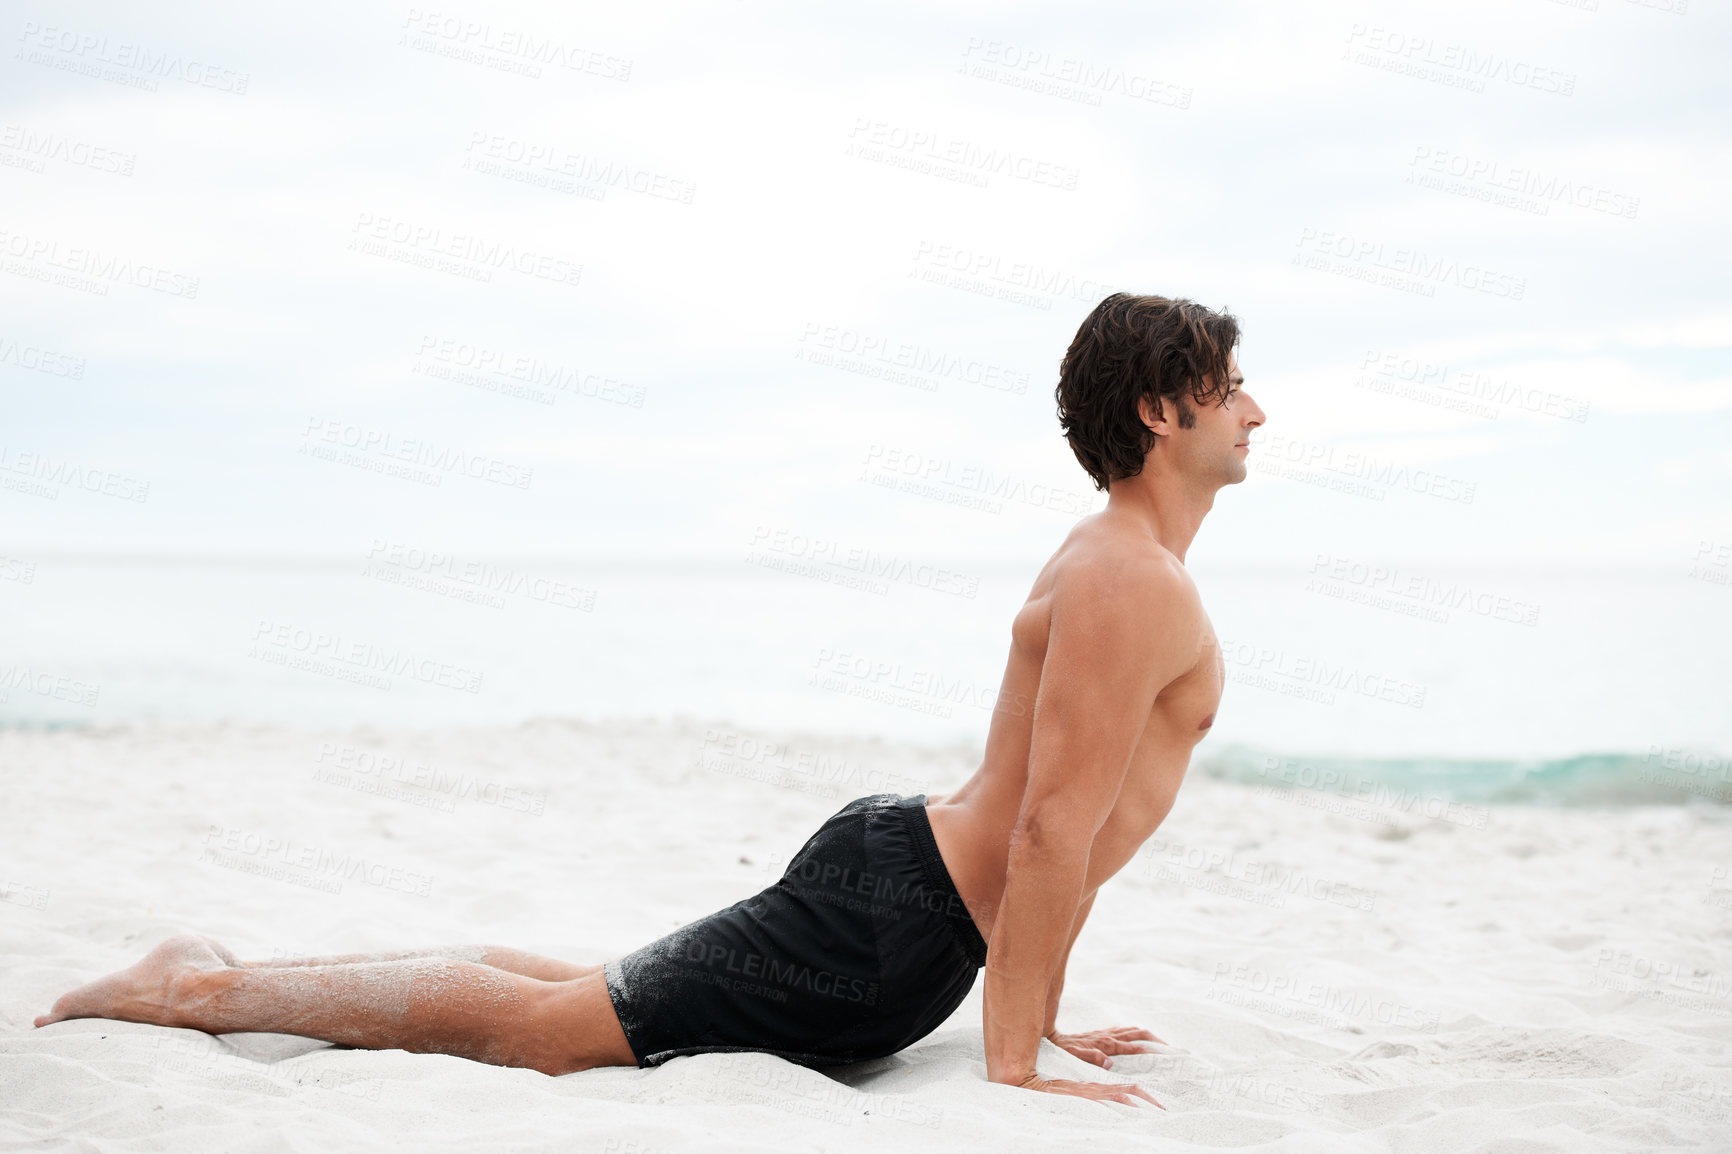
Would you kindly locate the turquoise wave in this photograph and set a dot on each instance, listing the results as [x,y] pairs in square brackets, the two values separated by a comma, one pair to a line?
[1658,777]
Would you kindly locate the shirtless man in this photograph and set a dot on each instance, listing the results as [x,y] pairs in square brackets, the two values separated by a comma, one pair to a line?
[875,932]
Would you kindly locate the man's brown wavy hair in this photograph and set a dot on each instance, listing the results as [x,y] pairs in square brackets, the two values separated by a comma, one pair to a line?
[1129,347]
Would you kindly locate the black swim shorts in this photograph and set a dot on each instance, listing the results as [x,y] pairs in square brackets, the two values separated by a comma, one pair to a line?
[862,948]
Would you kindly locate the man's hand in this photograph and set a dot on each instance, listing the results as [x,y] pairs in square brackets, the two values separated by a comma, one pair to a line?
[1095,1045]
[1127,1092]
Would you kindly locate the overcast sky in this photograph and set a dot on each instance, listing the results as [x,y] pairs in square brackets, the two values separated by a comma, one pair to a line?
[655,280]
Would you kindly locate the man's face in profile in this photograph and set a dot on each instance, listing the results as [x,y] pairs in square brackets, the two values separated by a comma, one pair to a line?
[1215,447]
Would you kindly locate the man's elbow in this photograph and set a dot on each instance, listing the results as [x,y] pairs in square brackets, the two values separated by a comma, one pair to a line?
[1051,837]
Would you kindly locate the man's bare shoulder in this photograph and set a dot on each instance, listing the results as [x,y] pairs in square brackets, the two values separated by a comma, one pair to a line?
[1107,561]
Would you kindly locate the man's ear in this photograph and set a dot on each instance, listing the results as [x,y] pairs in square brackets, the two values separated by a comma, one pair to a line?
[1161,426]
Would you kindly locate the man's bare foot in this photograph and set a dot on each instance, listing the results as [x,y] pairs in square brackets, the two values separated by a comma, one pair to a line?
[145,992]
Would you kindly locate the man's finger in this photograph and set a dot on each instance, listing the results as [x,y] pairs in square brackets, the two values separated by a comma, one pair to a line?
[1116,1091]
[1100,1091]
[1122,1047]
[1122,1092]
[1133,1032]
[1095,1054]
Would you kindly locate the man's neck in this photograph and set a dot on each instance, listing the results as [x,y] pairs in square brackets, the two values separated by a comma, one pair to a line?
[1165,505]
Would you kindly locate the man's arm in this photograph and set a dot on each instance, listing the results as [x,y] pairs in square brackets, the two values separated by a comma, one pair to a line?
[1055,989]
[1121,631]
[1095,1046]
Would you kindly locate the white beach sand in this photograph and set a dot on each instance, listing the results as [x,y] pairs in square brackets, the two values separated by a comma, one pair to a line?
[1505,980]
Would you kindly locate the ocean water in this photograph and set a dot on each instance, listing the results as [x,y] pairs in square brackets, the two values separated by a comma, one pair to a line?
[1539,685]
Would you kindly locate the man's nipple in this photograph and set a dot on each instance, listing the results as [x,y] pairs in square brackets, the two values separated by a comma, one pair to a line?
[1206,722]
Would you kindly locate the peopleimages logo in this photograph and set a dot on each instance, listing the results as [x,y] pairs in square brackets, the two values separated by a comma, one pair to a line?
[44,475]
[59,686]
[1531,188]
[547,164]
[505,48]
[40,360]
[881,140]
[38,254]
[285,859]
[875,355]
[861,561]
[884,892]
[433,247]
[332,654]
[404,564]
[1279,451]
[1436,383]
[975,486]
[1373,257]
[92,54]
[1385,586]
[1065,77]
[785,975]
[986,266]
[1312,677]
[381,450]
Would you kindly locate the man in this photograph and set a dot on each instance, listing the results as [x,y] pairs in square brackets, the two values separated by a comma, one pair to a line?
[875,932]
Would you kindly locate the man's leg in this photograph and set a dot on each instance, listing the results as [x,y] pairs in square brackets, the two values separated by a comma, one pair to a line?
[499,957]
[431,1005]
